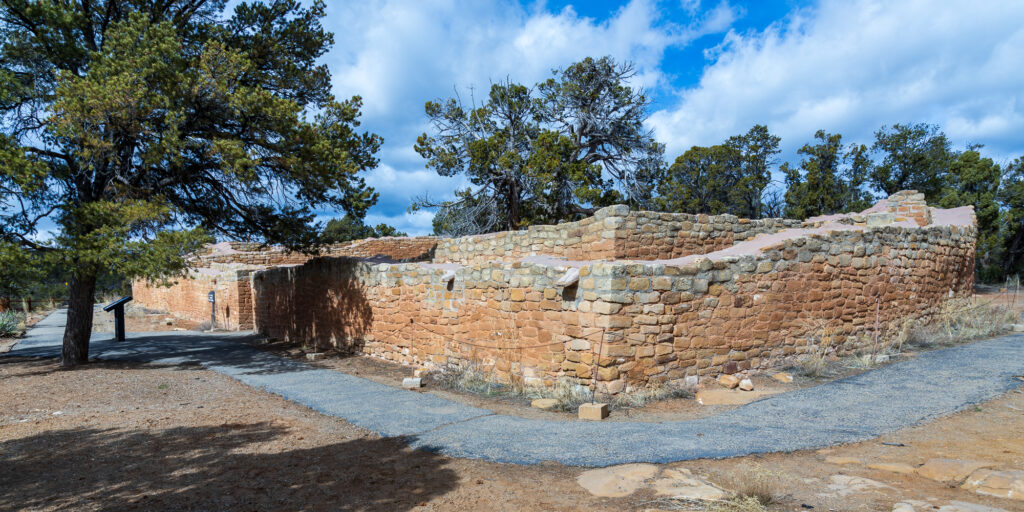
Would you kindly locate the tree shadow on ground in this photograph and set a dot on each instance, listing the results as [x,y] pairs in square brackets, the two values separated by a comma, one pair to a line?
[214,468]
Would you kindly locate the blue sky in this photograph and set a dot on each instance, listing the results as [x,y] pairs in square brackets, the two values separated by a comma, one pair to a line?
[713,69]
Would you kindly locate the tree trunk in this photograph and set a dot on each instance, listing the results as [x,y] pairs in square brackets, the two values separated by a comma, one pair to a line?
[81,295]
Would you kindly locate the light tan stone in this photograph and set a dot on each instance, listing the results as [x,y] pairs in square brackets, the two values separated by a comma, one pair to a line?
[963,506]
[895,467]
[783,377]
[616,481]
[544,404]
[1004,484]
[746,385]
[844,485]
[729,381]
[730,397]
[841,461]
[951,470]
[593,411]
[682,484]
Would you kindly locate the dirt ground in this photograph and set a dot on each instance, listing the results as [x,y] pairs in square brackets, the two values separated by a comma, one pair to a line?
[142,437]
[114,436]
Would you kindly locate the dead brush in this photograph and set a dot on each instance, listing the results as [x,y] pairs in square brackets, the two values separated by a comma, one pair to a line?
[959,321]
[568,393]
[820,336]
[643,396]
[738,504]
[752,487]
[467,378]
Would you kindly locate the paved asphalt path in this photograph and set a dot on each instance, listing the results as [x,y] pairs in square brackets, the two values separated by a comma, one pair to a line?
[856,408]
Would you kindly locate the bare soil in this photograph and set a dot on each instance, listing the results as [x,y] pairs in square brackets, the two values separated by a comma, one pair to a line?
[112,436]
[388,373]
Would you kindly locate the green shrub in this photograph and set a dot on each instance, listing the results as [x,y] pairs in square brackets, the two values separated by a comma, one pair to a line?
[10,324]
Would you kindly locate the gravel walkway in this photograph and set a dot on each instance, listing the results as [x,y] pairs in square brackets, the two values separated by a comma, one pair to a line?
[856,408]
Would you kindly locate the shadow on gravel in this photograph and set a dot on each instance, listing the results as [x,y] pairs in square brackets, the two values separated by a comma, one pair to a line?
[214,468]
[215,349]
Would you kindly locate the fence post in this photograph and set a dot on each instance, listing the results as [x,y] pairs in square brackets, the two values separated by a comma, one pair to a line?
[5,304]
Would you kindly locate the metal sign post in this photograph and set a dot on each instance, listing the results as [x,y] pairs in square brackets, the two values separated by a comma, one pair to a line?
[213,310]
[118,308]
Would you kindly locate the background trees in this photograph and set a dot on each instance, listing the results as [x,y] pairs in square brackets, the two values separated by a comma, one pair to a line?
[142,129]
[544,154]
[725,178]
[829,180]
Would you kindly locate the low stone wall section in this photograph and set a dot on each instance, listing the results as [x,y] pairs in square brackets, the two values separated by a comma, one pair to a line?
[187,297]
[613,233]
[625,325]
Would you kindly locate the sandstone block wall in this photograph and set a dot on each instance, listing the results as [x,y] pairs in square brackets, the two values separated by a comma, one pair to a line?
[613,233]
[658,296]
[187,297]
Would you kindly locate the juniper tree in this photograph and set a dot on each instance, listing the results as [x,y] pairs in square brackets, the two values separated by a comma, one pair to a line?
[829,179]
[140,129]
[544,154]
[914,156]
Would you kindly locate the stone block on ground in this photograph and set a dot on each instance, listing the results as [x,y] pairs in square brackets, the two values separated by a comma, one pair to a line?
[841,461]
[682,484]
[729,381]
[545,404]
[731,397]
[1004,484]
[616,481]
[315,356]
[951,470]
[783,377]
[412,383]
[593,411]
[963,506]
[746,385]
[895,467]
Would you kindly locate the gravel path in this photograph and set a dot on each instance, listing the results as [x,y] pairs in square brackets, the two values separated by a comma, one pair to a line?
[856,408]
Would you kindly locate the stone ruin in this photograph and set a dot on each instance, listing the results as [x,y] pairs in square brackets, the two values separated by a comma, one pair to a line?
[618,301]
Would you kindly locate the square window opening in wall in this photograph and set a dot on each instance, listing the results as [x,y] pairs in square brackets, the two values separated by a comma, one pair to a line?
[451,285]
[569,292]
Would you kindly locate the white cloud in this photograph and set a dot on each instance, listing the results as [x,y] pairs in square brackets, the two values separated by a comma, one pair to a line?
[398,54]
[851,67]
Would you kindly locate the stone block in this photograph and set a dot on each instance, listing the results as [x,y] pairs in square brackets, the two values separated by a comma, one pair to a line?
[544,404]
[412,383]
[593,411]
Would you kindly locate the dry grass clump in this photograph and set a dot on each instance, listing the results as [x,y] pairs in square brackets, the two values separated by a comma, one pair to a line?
[569,394]
[468,378]
[753,489]
[644,396]
[821,336]
[739,503]
[754,484]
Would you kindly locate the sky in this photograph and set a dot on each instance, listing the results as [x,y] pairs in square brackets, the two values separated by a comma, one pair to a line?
[712,68]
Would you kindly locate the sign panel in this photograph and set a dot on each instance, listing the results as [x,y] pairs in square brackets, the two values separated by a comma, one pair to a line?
[210,297]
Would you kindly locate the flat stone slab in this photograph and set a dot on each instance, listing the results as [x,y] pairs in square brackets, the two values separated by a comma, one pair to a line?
[856,408]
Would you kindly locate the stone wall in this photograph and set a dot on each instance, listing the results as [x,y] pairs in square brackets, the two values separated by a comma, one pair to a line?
[187,297]
[658,297]
[613,233]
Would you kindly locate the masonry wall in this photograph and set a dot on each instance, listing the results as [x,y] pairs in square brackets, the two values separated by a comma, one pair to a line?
[614,233]
[658,297]
[737,313]
[507,316]
[624,325]
[187,297]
